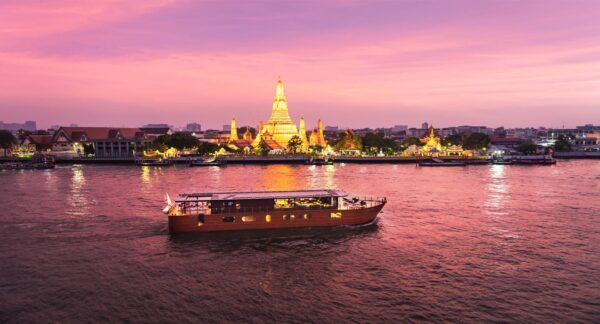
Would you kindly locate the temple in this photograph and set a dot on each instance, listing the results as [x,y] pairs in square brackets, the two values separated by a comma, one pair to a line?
[233,135]
[432,147]
[280,128]
[235,142]
[317,138]
[431,142]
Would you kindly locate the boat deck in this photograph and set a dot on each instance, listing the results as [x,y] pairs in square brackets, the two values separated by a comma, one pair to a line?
[224,196]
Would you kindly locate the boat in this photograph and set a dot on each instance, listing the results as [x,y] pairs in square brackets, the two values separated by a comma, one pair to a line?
[208,162]
[534,160]
[439,162]
[320,161]
[37,162]
[234,211]
[502,161]
[25,166]
[153,162]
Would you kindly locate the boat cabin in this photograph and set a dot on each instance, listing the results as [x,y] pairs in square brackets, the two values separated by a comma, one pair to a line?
[232,202]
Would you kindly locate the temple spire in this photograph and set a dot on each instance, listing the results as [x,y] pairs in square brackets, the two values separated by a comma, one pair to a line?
[279,113]
[302,134]
[233,135]
[279,94]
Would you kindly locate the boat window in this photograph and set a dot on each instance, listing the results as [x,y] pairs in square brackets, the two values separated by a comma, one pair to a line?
[335,215]
[228,219]
[306,216]
[286,217]
[292,217]
[248,218]
[284,203]
[268,218]
[200,220]
[313,203]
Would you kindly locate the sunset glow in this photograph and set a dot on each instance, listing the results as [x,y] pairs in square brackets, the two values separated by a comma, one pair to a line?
[351,63]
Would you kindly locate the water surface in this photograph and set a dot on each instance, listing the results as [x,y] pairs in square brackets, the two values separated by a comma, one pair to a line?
[89,243]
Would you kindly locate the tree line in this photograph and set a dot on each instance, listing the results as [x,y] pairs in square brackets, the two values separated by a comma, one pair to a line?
[370,142]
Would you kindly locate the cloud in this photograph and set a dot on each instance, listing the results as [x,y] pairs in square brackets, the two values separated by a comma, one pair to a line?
[189,60]
[26,20]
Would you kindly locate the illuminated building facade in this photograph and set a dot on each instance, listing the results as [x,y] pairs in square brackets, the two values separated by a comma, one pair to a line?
[431,141]
[432,147]
[104,142]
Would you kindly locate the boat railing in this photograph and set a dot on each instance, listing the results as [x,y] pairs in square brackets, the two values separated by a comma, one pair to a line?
[347,204]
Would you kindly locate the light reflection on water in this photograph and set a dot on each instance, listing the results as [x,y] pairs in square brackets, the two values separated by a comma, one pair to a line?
[322,176]
[145,174]
[78,198]
[497,191]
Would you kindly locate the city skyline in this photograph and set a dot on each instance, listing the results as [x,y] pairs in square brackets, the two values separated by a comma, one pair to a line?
[351,64]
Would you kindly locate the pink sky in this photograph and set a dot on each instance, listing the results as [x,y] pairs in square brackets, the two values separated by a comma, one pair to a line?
[351,63]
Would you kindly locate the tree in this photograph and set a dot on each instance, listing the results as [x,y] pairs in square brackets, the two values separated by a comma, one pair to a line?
[563,143]
[160,146]
[207,148]
[294,144]
[263,148]
[242,130]
[412,141]
[376,141]
[182,141]
[455,139]
[348,141]
[316,149]
[179,141]
[7,140]
[527,147]
[371,140]
[476,141]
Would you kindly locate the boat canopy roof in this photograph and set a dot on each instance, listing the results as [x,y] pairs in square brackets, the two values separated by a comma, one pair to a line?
[261,195]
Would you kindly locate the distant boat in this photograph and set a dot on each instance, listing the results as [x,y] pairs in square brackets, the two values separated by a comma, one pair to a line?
[153,162]
[534,160]
[439,163]
[213,161]
[26,166]
[320,161]
[38,162]
[502,161]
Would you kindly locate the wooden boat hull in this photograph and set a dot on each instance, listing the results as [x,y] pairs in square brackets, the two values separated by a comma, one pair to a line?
[278,219]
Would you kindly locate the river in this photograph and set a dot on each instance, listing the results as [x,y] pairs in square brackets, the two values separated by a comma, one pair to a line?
[88,243]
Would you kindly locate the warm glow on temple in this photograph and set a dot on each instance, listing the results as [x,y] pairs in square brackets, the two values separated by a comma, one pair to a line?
[279,129]
[280,126]
[431,141]
[432,147]
[233,136]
